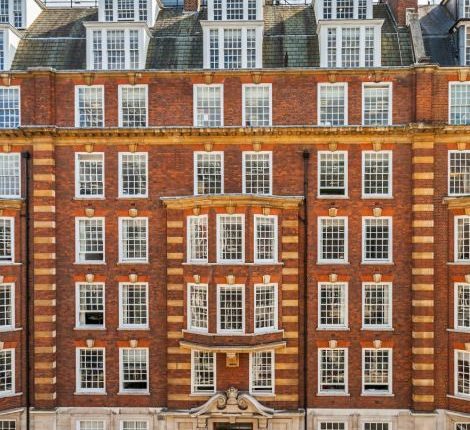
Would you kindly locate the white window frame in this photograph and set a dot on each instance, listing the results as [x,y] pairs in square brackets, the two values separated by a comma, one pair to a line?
[377,421]
[195,172]
[449,153]
[451,84]
[16,155]
[320,258]
[244,169]
[344,392]
[256,219]
[220,260]
[78,379]
[376,327]
[210,11]
[122,325]
[80,421]
[340,25]
[11,420]
[390,240]
[123,259]
[77,177]
[270,392]
[11,286]
[244,26]
[189,231]
[196,88]
[139,420]
[102,13]
[77,103]
[390,176]
[15,87]
[77,240]
[12,241]
[390,101]
[346,176]
[219,316]
[270,92]
[390,374]
[11,392]
[121,182]
[276,309]
[120,99]
[122,390]
[319,11]
[345,306]
[457,326]
[457,352]
[78,325]
[214,372]
[189,312]
[336,421]
[456,239]
[345,104]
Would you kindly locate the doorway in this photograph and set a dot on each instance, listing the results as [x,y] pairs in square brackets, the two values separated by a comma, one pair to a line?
[235,426]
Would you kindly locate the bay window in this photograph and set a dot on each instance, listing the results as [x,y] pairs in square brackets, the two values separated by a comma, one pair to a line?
[203,372]
[198,311]
[230,238]
[231,309]
[197,239]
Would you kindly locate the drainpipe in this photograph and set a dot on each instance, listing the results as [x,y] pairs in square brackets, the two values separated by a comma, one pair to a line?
[306,158]
[26,156]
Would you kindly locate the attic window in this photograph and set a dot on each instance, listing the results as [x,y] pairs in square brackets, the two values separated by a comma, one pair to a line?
[233,10]
[125,10]
[11,12]
[344,9]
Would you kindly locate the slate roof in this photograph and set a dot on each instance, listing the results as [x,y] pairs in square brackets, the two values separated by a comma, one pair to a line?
[436,21]
[57,39]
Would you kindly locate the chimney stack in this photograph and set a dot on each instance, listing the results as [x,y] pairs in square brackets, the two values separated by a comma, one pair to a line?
[400,7]
[191,5]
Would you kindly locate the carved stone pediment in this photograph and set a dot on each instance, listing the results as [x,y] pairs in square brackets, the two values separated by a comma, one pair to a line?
[232,402]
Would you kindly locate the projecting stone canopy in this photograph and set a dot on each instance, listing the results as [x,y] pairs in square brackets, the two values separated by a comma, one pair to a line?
[231,403]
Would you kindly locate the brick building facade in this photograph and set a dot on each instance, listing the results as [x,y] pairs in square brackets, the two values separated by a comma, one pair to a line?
[235,216]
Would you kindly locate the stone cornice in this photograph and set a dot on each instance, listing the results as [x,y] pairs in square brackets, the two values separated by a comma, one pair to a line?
[232,200]
[233,349]
[457,202]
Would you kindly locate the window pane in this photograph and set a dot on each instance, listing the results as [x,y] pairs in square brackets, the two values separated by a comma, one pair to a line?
[134,369]
[208,173]
[350,49]
[6,240]
[7,425]
[90,175]
[203,372]
[377,173]
[91,304]
[98,46]
[91,240]
[462,385]
[463,305]
[459,172]
[265,239]
[332,370]
[332,171]
[265,307]
[232,48]
[208,106]
[10,175]
[257,173]
[134,239]
[133,174]
[376,370]
[376,105]
[332,240]
[125,10]
[377,305]
[377,239]
[116,50]
[90,107]
[463,238]
[6,305]
[332,298]
[198,308]
[214,47]
[91,425]
[231,308]
[230,235]
[332,105]
[91,370]
[234,9]
[133,106]
[134,305]
[332,426]
[459,101]
[9,107]
[134,425]
[331,46]
[257,106]
[345,9]
[262,372]
[198,239]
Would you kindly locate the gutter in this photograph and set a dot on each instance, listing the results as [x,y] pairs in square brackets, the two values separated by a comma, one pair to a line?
[26,156]
[306,158]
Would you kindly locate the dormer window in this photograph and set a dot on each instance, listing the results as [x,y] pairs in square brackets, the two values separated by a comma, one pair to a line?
[464,9]
[235,10]
[343,9]
[128,11]
[11,12]
[350,45]
[116,47]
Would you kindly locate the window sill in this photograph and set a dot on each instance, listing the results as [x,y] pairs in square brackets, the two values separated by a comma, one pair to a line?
[2,396]
[89,328]
[377,395]
[133,393]
[132,197]
[375,263]
[225,263]
[381,197]
[333,394]
[90,263]
[204,394]
[265,396]
[89,198]
[10,329]
[459,330]
[459,397]
[222,334]
[377,329]
[133,328]
[332,196]
[458,263]
[84,393]
[126,263]
[9,263]
[333,328]
[332,262]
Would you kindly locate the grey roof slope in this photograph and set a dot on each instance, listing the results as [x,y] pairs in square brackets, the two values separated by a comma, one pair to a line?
[57,39]
[440,46]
